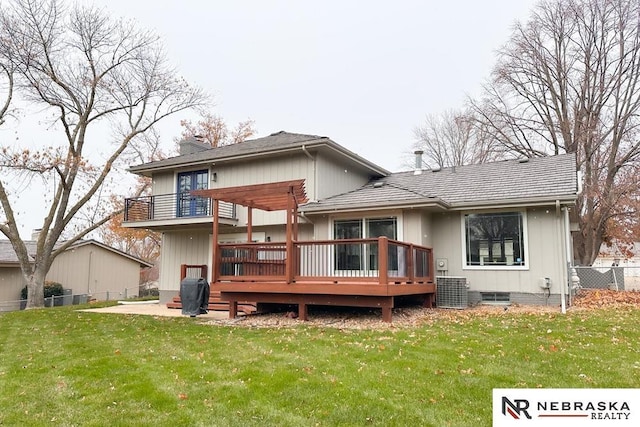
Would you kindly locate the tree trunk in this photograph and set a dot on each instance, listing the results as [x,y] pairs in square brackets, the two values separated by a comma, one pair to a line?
[35,288]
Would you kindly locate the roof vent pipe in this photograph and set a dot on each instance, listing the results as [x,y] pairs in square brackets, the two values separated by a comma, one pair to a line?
[418,168]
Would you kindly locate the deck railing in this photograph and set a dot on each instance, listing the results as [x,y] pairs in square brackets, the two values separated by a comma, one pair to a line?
[378,260]
[172,206]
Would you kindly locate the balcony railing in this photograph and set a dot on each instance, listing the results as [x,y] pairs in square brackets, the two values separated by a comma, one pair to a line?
[376,261]
[173,206]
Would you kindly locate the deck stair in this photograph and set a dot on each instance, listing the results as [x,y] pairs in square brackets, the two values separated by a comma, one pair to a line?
[216,304]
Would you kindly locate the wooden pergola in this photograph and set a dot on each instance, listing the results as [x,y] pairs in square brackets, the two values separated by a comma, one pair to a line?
[274,196]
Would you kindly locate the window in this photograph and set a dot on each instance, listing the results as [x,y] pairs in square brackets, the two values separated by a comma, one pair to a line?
[189,205]
[358,256]
[495,239]
[495,297]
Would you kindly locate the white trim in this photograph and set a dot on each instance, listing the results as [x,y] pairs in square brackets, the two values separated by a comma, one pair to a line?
[525,243]
[379,215]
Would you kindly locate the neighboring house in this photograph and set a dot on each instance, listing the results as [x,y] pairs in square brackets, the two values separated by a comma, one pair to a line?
[503,227]
[613,256]
[628,260]
[88,267]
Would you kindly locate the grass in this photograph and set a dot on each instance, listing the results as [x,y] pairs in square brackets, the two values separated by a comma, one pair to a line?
[65,367]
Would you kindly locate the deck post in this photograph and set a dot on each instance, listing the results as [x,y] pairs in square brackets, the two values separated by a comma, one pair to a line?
[249,224]
[233,309]
[410,264]
[289,249]
[183,272]
[303,313]
[383,260]
[215,262]
[387,310]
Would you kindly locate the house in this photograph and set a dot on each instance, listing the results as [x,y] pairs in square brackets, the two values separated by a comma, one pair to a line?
[87,267]
[501,229]
[623,258]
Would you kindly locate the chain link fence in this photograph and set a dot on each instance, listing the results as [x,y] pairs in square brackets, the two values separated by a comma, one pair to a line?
[68,298]
[615,277]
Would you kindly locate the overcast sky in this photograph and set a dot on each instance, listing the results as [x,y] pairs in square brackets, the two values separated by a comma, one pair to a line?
[364,73]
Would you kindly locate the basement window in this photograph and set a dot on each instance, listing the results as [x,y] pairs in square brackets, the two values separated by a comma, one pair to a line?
[495,297]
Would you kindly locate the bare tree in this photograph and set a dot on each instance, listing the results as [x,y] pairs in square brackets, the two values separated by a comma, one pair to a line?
[6,91]
[568,82]
[214,131]
[91,71]
[455,138]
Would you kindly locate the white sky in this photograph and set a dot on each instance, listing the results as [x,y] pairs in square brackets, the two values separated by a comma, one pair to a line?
[364,73]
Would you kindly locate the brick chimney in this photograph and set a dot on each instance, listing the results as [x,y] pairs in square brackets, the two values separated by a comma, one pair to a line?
[192,144]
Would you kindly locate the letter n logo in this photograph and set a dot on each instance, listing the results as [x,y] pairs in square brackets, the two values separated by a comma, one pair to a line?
[516,408]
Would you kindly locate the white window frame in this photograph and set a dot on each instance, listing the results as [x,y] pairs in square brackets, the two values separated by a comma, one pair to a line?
[525,242]
[397,216]
[365,272]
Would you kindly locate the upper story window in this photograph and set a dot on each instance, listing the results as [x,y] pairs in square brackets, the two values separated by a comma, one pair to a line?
[495,239]
[189,205]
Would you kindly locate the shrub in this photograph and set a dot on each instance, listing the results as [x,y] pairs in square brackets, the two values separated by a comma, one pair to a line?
[51,289]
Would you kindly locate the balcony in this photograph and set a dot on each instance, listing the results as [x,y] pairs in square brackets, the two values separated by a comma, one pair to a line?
[169,208]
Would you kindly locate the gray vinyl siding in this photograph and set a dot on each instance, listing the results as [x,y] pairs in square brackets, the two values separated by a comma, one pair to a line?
[261,172]
[94,270]
[336,177]
[11,283]
[181,248]
[86,269]
[164,183]
[545,258]
[413,227]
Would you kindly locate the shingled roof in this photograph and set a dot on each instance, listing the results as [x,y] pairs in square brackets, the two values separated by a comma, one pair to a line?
[8,254]
[277,143]
[511,182]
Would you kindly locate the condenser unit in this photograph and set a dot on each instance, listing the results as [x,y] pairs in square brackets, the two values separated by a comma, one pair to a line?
[451,292]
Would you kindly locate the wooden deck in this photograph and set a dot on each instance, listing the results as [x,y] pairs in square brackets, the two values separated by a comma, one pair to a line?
[350,272]
[321,273]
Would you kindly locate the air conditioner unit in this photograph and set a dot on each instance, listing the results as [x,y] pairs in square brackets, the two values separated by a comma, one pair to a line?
[452,292]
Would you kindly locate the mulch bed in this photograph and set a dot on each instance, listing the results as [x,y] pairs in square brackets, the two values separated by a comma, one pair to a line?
[354,318]
[600,298]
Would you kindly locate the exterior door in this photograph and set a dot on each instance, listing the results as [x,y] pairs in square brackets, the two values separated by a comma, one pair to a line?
[363,257]
[189,205]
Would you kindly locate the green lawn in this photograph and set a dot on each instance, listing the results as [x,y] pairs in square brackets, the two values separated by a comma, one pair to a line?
[64,367]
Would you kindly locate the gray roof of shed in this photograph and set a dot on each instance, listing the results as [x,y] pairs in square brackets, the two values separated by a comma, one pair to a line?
[530,181]
[279,142]
[8,255]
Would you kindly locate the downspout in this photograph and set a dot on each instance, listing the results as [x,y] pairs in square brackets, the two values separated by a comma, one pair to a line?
[563,284]
[305,217]
[568,245]
[315,178]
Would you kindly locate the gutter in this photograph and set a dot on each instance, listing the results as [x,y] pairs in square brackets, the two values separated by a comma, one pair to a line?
[420,203]
[314,173]
[426,203]
[506,203]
